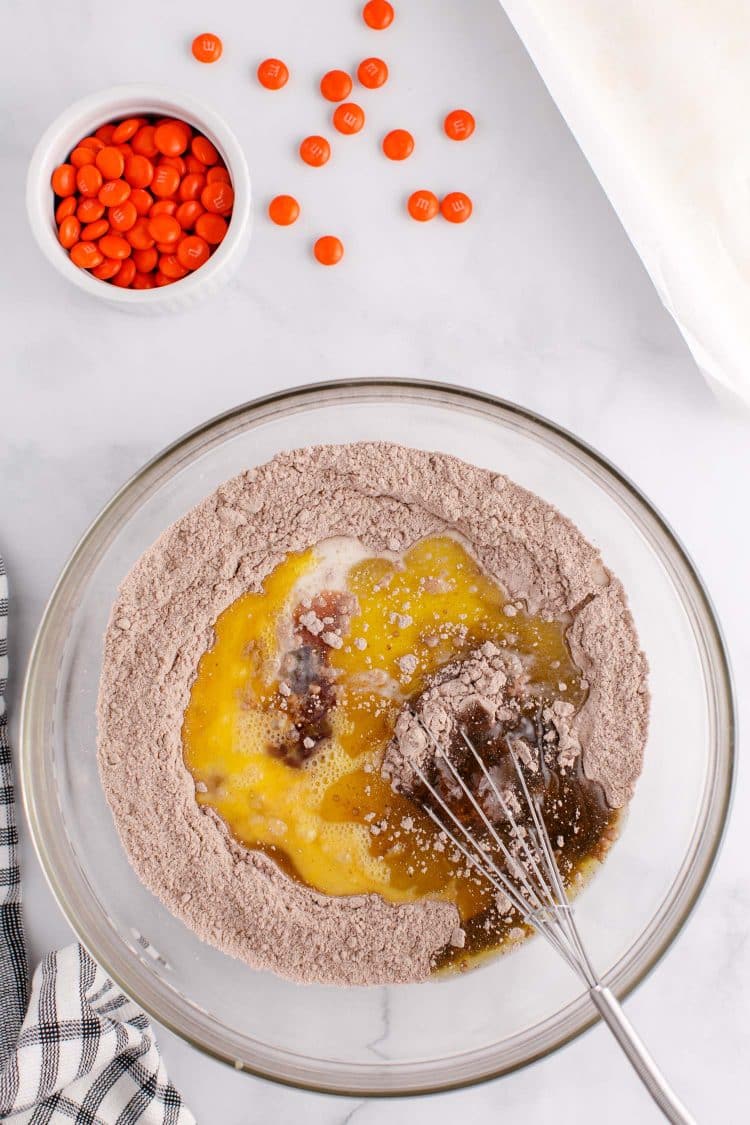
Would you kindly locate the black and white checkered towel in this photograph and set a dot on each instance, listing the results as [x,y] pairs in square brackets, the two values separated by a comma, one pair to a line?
[75,1048]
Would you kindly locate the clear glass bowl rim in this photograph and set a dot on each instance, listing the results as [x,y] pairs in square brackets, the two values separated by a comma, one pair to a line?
[696,867]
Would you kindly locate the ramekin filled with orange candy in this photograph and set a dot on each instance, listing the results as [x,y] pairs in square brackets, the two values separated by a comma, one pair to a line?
[141,197]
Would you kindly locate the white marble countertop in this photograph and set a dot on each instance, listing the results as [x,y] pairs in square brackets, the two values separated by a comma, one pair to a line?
[540,299]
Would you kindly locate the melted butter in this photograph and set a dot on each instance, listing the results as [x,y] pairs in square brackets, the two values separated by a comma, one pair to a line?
[334,823]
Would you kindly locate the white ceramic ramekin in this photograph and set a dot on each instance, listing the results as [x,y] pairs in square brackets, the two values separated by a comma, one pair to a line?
[82,118]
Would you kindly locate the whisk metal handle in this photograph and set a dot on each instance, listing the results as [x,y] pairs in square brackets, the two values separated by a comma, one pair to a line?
[641,1061]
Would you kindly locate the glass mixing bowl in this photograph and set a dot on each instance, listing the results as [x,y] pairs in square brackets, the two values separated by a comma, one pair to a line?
[410,1038]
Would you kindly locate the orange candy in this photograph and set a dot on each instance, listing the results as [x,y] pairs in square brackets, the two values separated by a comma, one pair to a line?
[69,232]
[328,250]
[88,180]
[171,138]
[170,266]
[82,155]
[164,228]
[214,174]
[423,205]
[372,73]
[187,213]
[191,186]
[110,162]
[64,180]
[125,209]
[65,208]
[192,252]
[218,197]
[89,210]
[107,269]
[166,181]
[203,150]
[336,85]
[124,276]
[459,125]
[211,227]
[348,118]
[139,171]
[138,235]
[146,260]
[207,48]
[121,133]
[315,151]
[163,207]
[114,246]
[143,143]
[141,200]
[378,14]
[92,232]
[456,207]
[87,255]
[114,192]
[283,210]
[398,144]
[273,74]
[123,216]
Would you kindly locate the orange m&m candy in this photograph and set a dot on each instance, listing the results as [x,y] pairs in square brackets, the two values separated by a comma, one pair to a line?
[211,227]
[372,73]
[336,85]
[110,162]
[398,144]
[378,14]
[203,150]
[348,118]
[64,180]
[459,124]
[207,48]
[88,180]
[120,133]
[218,197]
[87,255]
[123,279]
[423,205]
[283,210]
[328,250]
[456,207]
[192,252]
[69,231]
[123,216]
[67,207]
[171,138]
[114,192]
[315,151]
[114,246]
[273,74]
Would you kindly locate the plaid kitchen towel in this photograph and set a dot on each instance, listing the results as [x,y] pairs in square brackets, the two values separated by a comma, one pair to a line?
[73,1047]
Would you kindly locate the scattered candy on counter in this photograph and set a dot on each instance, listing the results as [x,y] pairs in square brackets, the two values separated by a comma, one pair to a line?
[456,207]
[372,73]
[144,201]
[315,151]
[273,74]
[378,14]
[207,48]
[283,210]
[336,85]
[328,250]
[459,125]
[348,118]
[423,205]
[398,144]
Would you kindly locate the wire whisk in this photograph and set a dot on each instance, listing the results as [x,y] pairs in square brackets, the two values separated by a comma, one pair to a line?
[523,867]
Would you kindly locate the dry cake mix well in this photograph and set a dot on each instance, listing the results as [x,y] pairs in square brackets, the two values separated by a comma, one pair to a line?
[261,662]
